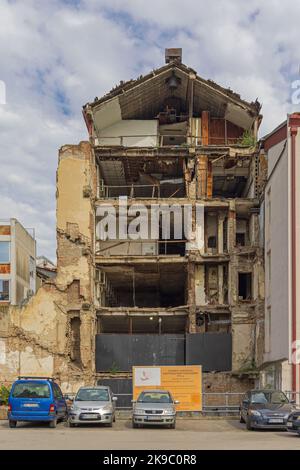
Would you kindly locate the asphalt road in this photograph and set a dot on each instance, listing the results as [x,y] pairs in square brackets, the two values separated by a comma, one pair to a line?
[189,434]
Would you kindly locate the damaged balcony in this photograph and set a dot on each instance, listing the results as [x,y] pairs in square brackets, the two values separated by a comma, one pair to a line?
[146,235]
[140,177]
[169,129]
[230,176]
[139,174]
[149,322]
[144,285]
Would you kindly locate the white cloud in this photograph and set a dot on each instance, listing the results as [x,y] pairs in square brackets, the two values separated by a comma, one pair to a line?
[56,56]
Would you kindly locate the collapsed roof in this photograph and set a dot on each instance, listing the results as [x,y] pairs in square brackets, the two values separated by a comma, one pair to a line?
[144,98]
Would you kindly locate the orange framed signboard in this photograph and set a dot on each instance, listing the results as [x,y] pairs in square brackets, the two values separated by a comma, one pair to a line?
[184,382]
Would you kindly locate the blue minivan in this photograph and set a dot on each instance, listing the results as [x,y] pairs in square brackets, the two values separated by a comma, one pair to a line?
[36,399]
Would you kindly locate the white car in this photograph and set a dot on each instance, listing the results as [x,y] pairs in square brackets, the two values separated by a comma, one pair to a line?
[93,405]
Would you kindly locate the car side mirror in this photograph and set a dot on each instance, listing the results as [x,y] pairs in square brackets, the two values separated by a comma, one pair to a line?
[176,402]
[67,397]
[115,398]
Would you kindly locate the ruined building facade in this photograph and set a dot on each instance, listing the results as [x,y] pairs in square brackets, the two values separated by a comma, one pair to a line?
[167,138]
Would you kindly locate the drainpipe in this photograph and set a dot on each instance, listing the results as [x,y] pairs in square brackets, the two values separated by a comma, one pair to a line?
[293,132]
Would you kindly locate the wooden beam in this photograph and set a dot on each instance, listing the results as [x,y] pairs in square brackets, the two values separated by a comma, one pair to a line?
[205,127]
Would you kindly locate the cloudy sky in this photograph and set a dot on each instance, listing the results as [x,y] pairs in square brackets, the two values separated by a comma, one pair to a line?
[57,55]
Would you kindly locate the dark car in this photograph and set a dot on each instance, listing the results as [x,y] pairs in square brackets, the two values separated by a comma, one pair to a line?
[265,409]
[36,399]
[293,422]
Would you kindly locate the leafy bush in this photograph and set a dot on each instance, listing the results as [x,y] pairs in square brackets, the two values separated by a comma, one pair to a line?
[248,139]
[4,394]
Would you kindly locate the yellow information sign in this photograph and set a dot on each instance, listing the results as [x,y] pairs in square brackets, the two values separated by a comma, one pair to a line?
[184,383]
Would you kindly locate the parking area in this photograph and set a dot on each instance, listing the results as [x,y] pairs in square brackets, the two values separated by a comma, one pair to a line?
[189,434]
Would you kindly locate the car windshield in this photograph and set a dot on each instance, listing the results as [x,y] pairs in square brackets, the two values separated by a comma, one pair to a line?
[92,394]
[155,397]
[274,398]
[31,390]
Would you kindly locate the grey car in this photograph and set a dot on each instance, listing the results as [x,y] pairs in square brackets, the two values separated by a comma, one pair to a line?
[93,405]
[265,409]
[154,407]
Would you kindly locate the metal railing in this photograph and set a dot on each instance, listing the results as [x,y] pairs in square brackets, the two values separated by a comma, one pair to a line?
[213,403]
[140,191]
[218,403]
[188,140]
[162,247]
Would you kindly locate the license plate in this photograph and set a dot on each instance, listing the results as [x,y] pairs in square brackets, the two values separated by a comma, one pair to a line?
[152,418]
[89,416]
[31,405]
[276,420]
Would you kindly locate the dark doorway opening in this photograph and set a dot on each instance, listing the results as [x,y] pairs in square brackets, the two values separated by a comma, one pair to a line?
[245,286]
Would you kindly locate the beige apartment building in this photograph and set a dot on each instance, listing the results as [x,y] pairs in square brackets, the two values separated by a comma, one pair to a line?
[169,138]
[17,262]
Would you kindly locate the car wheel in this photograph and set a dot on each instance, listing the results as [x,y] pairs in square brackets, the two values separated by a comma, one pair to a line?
[109,425]
[248,424]
[70,424]
[12,424]
[114,418]
[173,426]
[53,423]
[241,418]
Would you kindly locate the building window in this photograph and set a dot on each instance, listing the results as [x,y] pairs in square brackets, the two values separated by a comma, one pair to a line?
[240,239]
[212,242]
[4,252]
[4,290]
[245,286]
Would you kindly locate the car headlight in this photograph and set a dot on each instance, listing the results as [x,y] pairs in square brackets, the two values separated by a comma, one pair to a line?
[106,409]
[255,413]
[139,412]
[169,412]
[74,408]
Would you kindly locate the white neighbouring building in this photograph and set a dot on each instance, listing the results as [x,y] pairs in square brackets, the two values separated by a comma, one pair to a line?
[281,368]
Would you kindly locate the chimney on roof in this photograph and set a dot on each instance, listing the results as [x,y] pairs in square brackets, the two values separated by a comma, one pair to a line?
[173,55]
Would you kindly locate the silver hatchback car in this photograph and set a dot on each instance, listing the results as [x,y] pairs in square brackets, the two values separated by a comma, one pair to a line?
[93,405]
[154,407]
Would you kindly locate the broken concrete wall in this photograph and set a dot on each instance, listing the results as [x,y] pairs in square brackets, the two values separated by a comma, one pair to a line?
[38,339]
[34,338]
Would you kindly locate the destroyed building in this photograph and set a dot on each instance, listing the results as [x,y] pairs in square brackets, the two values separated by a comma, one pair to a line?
[169,137]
